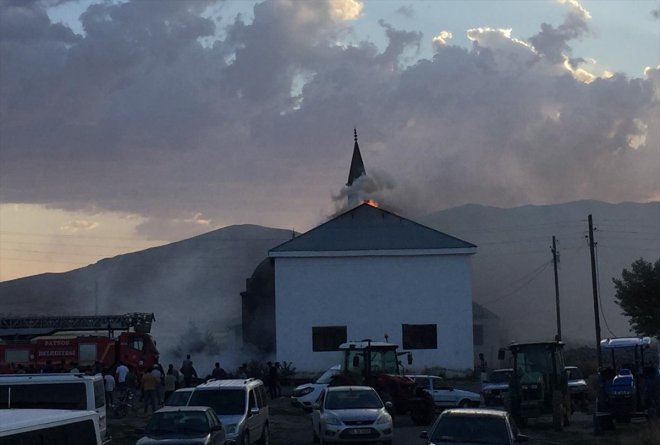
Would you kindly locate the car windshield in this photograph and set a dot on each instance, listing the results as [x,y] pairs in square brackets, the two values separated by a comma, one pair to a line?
[498,377]
[223,401]
[178,422]
[178,398]
[326,377]
[574,374]
[352,399]
[470,428]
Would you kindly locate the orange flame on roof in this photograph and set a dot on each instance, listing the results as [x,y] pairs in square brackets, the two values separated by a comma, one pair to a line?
[371,202]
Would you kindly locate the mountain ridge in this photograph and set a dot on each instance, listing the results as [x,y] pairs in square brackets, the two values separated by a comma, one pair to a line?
[197,281]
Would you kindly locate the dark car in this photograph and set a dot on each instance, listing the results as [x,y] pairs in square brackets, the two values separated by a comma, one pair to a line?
[183,425]
[495,389]
[474,426]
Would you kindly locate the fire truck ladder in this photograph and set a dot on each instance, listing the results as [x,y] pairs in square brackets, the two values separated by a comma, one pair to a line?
[29,327]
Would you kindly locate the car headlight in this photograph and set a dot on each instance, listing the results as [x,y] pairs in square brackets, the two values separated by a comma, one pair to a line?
[231,429]
[332,420]
[303,392]
[384,418]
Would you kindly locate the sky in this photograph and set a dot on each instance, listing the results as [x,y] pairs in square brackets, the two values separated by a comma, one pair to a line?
[126,125]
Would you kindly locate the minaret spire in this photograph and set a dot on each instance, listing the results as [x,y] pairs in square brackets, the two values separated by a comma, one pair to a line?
[356,171]
[357,166]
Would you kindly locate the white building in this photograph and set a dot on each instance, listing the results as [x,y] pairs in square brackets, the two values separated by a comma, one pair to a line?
[370,273]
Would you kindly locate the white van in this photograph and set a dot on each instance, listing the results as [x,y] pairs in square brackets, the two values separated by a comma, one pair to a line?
[49,426]
[55,391]
[241,406]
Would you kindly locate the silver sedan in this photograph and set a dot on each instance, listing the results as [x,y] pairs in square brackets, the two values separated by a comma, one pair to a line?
[351,414]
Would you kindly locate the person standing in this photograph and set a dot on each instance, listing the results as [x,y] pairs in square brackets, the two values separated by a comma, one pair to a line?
[170,383]
[272,380]
[242,371]
[186,362]
[109,384]
[218,373]
[120,373]
[177,375]
[149,384]
[278,385]
[188,372]
[160,380]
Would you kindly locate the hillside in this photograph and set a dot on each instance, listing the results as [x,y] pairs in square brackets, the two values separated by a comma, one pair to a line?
[199,280]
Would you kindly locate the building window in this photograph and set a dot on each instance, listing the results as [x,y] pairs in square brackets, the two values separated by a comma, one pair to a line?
[478,335]
[328,338]
[420,336]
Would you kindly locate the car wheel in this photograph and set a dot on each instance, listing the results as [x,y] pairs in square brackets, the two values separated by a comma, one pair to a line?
[245,439]
[464,403]
[265,436]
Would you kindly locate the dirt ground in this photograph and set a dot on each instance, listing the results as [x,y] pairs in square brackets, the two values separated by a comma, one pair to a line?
[291,426]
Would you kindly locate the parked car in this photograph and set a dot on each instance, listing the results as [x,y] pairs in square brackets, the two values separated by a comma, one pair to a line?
[241,406]
[577,388]
[351,414]
[444,395]
[179,397]
[495,389]
[472,426]
[305,395]
[192,425]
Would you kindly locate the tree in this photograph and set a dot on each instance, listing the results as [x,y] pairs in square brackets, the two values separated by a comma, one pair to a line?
[638,294]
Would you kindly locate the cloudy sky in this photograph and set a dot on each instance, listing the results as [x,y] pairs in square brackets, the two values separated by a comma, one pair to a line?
[125,125]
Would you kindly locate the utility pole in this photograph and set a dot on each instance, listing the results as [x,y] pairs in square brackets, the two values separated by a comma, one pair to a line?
[555,260]
[594,285]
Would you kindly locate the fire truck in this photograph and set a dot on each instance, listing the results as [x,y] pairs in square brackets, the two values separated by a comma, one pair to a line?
[34,341]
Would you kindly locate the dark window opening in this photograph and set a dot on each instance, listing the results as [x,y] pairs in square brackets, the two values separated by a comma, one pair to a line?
[420,336]
[328,338]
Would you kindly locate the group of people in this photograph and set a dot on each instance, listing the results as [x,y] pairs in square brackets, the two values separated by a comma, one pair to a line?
[218,373]
[49,368]
[155,385]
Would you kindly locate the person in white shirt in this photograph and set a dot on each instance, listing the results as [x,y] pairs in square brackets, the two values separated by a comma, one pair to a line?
[121,372]
[109,383]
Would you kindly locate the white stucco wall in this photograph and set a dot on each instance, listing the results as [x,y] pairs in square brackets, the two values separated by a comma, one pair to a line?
[372,295]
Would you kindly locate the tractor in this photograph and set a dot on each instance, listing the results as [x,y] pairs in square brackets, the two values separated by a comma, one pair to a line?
[376,364]
[629,386]
[539,383]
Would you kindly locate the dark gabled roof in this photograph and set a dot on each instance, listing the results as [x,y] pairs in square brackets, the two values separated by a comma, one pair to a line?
[370,228]
[357,166]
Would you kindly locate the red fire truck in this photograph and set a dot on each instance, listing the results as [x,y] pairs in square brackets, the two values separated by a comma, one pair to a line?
[32,341]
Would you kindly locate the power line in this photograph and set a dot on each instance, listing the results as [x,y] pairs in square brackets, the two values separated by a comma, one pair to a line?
[600,301]
[532,276]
